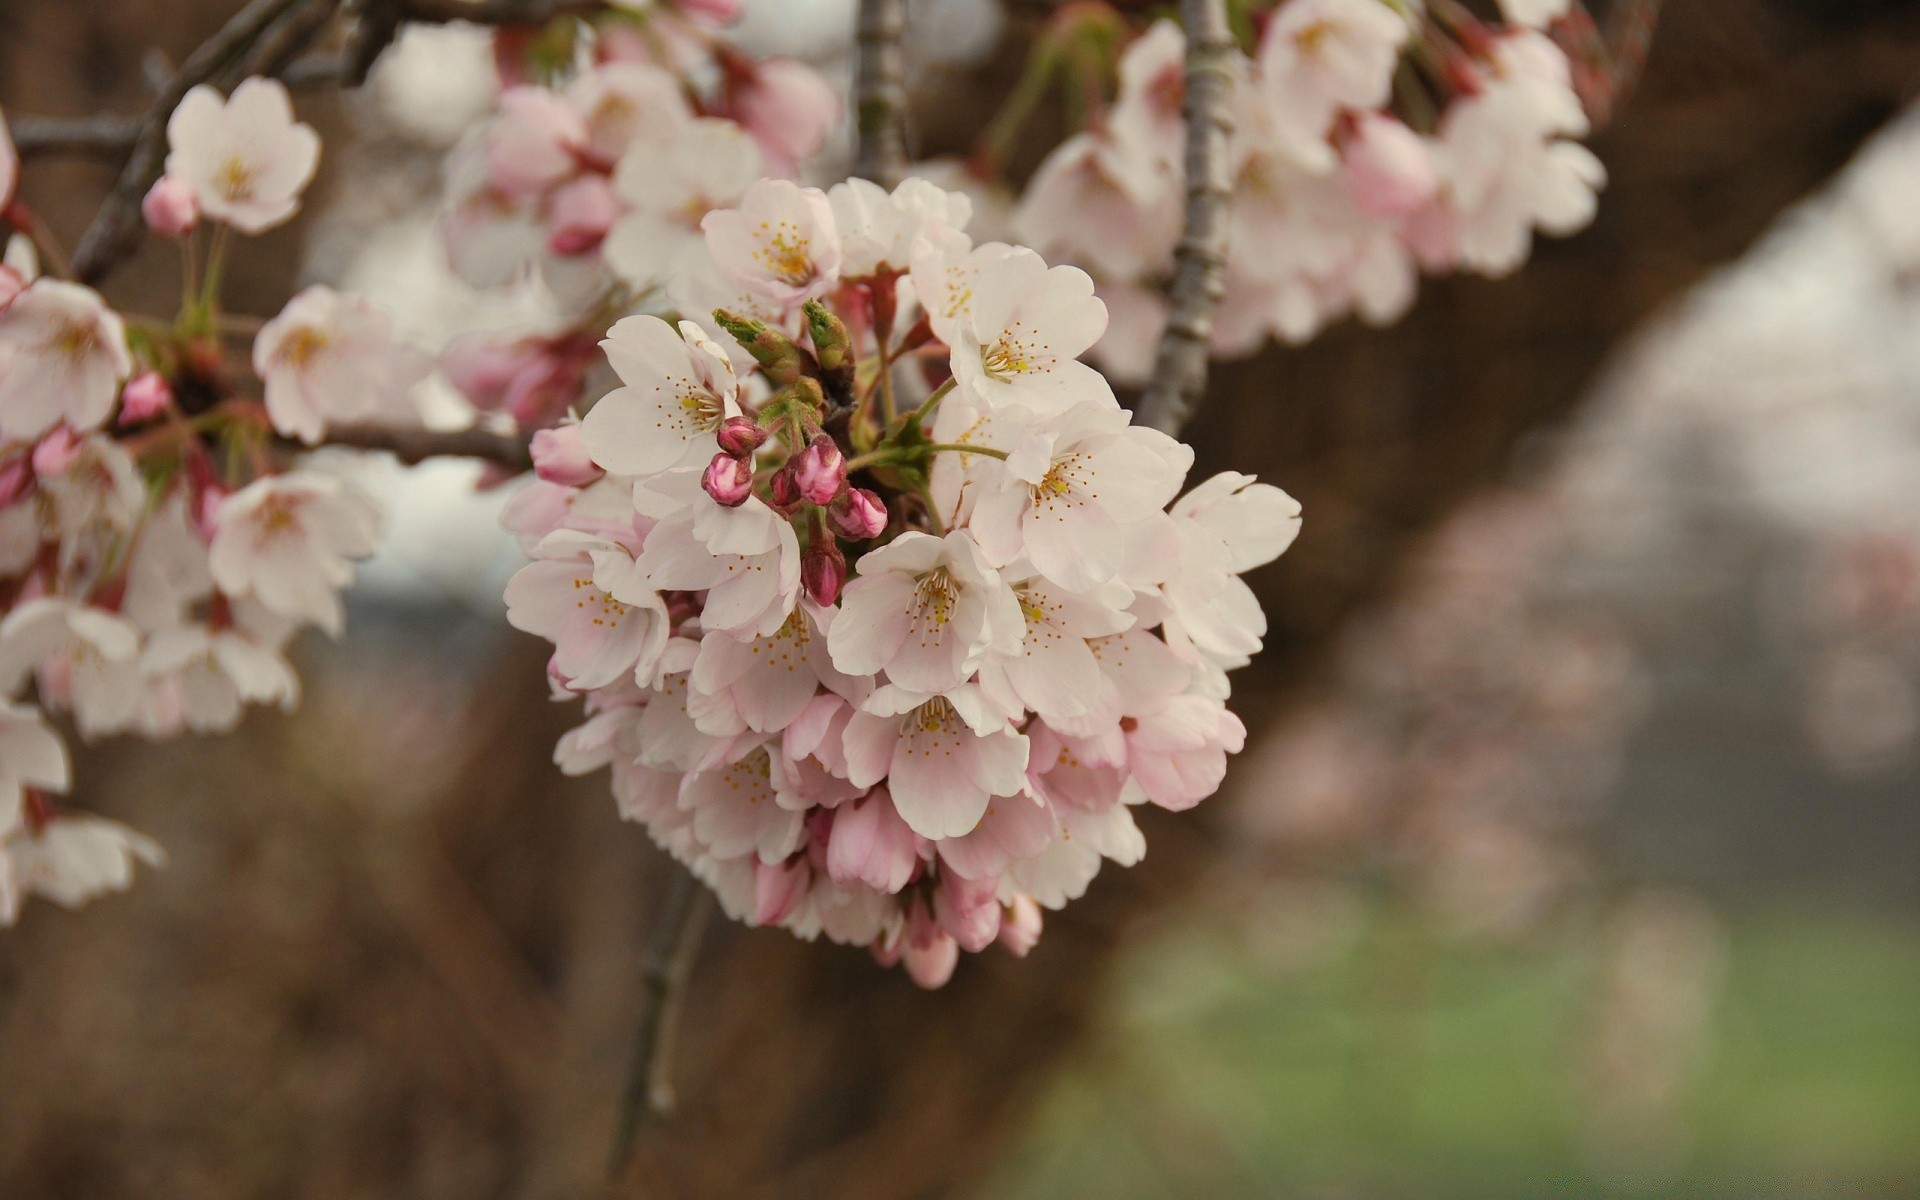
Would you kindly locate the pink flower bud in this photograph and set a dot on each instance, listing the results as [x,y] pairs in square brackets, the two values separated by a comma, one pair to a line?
[932,965]
[15,481]
[728,480]
[146,395]
[1020,928]
[857,514]
[783,491]
[870,844]
[778,889]
[56,452]
[823,571]
[740,436]
[968,911]
[580,214]
[820,471]
[1389,171]
[170,207]
[560,457]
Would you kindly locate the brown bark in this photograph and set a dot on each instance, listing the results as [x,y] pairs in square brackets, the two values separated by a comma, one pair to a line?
[290,1011]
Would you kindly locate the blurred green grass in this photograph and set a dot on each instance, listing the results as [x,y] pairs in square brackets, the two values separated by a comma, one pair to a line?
[1400,1063]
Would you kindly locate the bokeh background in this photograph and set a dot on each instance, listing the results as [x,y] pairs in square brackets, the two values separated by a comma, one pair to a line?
[1575,852]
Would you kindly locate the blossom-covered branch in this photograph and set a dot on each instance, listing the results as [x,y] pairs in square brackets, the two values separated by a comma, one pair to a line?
[1200,262]
[880,92]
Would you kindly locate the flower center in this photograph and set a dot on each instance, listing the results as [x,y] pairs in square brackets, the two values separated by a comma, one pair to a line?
[935,716]
[235,178]
[75,340]
[601,608]
[935,593]
[1010,354]
[785,252]
[303,345]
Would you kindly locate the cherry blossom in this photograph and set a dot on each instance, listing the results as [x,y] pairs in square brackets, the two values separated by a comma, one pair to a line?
[781,241]
[245,156]
[926,611]
[945,757]
[1023,332]
[289,541]
[63,356]
[31,756]
[679,389]
[331,358]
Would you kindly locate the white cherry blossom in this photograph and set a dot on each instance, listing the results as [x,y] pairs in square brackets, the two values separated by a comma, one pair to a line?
[780,241]
[927,611]
[330,358]
[944,757]
[245,156]
[679,388]
[63,357]
[289,541]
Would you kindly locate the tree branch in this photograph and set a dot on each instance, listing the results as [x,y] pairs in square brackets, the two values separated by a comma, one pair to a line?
[671,955]
[116,227]
[880,92]
[412,446]
[1180,372]
[102,135]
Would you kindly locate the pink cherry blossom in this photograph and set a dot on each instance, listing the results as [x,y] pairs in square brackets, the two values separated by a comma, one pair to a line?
[668,189]
[330,358]
[170,207]
[781,241]
[789,109]
[679,388]
[944,757]
[1320,56]
[926,611]
[1026,328]
[765,682]
[63,356]
[289,541]
[579,593]
[872,845]
[246,158]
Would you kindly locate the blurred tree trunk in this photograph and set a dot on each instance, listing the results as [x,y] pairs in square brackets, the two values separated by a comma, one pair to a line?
[495,991]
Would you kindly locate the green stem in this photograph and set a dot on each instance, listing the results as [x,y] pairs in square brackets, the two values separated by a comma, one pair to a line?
[925,412]
[963,448]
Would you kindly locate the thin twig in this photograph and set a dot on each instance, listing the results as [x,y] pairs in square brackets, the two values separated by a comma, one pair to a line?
[1199,277]
[880,92]
[671,955]
[101,135]
[412,446]
[116,227]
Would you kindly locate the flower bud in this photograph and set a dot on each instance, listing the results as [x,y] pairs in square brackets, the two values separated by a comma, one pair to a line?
[56,452]
[967,911]
[170,207]
[579,215]
[776,353]
[870,844]
[857,514]
[777,890]
[728,480]
[932,965]
[1389,170]
[1020,928]
[146,395]
[820,470]
[15,481]
[560,457]
[784,491]
[739,436]
[823,571]
[831,344]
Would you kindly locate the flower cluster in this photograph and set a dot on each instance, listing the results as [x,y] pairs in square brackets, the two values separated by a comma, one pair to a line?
[1371,141]
[885,614]
[596,186]
[158,545]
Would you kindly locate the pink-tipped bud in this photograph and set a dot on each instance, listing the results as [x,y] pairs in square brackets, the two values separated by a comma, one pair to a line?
[932,965]
[728,480]
[968,911]
[15,482]
[857,514]
[1020,928]
[739,436]
[1389,170]
[778,889]
[823,572]
[580,214]
[783,491]
[146,396]
[56,452]
[170,207]
[820,470]
[560,457]
[870,844]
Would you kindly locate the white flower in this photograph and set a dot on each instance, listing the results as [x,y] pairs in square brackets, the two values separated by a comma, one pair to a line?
[1534,14]
[679,388]
[1054,672]
[287,540]
[670,187]
[945,757]
[878,229]
[1068,487]
[87,657]
[245,157]
[1023,334]
[781,241]
[63,357]
[211,673]
[31,756]
[1320,56]
[747,559]
[621,104]
[737,811]
[70,861]
[764,682]
[1226,526]
[328,358]
[925,610]
[566,595]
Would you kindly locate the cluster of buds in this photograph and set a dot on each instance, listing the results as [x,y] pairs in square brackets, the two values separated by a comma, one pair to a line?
[884,613]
